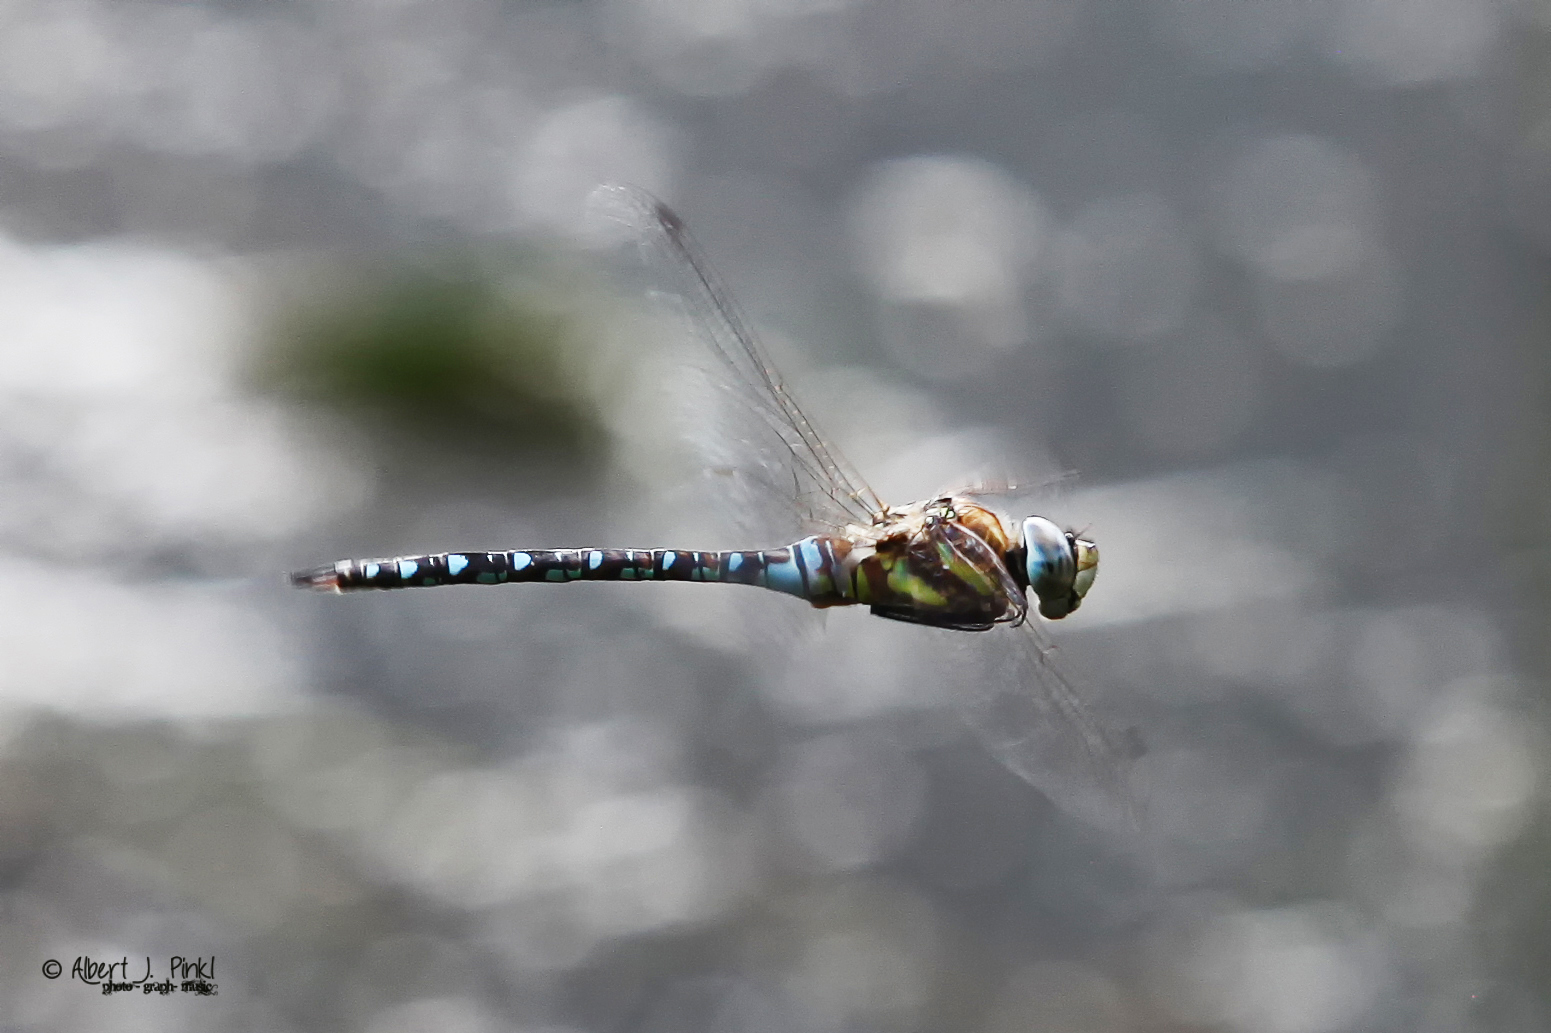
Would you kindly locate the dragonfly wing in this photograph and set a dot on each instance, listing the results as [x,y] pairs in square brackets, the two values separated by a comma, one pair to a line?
[757,444]
[1031,718]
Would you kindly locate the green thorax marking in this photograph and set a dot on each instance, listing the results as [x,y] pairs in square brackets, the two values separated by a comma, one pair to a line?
[934,568]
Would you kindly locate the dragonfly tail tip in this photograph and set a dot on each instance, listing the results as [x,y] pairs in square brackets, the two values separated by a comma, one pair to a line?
[321,579]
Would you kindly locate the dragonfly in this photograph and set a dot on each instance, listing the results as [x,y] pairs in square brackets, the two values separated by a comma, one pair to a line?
[950,562]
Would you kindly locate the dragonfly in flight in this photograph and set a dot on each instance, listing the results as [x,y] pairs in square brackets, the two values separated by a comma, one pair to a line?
[948,562]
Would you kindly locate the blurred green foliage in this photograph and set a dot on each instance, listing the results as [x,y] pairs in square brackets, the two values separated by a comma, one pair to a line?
[477,354]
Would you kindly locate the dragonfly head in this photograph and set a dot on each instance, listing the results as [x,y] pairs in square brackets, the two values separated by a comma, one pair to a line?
[1059,565]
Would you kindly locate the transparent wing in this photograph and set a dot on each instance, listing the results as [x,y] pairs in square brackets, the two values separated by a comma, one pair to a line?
[762,449]
[1006,687]
[1004,489]
[1033,720]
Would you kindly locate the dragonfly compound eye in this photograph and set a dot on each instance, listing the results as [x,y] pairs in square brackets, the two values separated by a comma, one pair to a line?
[1051,563]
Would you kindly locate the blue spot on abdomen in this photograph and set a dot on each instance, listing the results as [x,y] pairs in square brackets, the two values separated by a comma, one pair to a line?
[784,575]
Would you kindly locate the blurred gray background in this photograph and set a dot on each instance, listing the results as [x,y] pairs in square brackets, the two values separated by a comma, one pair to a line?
[284,282]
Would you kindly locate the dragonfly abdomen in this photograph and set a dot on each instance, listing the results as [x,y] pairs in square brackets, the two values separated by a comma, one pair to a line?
[806,569]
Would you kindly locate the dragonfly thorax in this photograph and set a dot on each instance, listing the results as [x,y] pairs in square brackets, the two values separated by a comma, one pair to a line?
[1059,565]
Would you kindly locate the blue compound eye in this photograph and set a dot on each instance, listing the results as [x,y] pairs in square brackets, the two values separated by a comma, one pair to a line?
[1060,566]
[1051,565]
